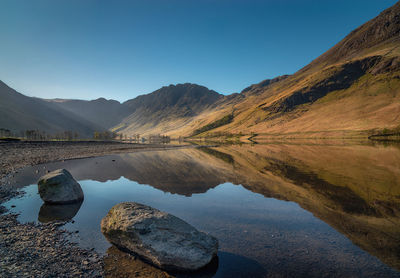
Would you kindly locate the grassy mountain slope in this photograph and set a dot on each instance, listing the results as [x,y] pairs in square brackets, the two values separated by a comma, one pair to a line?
[352,89]
[19,112]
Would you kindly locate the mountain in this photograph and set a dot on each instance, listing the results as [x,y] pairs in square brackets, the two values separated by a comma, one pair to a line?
[351,90]
[167,109]
[19,112]
[157,112]
[101,112]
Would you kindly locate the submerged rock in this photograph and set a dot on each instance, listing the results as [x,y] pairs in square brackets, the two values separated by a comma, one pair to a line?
[158,237]
[59,187]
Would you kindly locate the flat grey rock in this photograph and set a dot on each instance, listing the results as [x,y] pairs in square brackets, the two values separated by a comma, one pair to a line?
[158,237]
[59,187]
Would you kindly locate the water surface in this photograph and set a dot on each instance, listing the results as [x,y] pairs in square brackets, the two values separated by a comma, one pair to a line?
[278,210]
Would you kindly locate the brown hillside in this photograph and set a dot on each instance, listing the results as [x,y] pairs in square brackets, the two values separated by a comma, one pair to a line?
[351,90]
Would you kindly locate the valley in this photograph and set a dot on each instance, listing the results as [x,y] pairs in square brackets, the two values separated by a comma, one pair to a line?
[351,91]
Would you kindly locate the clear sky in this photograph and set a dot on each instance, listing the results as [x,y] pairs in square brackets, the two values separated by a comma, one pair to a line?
[119,49]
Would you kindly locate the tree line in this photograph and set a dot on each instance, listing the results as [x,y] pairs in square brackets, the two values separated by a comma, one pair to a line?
[69,135]
[39,135]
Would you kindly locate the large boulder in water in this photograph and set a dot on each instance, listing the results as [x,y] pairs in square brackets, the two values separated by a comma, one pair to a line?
[59,187]
[158,237]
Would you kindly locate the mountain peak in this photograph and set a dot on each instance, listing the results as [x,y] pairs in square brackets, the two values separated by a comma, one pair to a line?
[383,29]
[104,100]
[184,87]
[179,94]
[265,83]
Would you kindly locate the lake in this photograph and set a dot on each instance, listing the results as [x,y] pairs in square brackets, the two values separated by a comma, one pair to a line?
[316,209]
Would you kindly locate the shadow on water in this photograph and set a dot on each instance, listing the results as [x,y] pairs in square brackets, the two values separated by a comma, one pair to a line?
[121,264]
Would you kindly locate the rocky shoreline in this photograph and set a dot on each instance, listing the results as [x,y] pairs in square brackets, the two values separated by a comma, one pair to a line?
[43,250]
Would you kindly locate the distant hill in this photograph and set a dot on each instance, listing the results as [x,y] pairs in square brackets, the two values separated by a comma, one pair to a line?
[19,112]
[146,114]
[166,109]
[101,112]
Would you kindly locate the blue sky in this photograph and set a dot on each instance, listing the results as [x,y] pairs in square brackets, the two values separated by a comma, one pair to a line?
[120,49]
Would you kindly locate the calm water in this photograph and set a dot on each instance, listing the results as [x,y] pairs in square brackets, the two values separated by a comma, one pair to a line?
[277,210]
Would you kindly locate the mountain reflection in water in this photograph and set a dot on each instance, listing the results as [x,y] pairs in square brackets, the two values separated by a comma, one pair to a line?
[353,188]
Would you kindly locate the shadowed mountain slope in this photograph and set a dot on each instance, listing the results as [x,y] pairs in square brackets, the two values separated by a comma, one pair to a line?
[101,112]
[19,112]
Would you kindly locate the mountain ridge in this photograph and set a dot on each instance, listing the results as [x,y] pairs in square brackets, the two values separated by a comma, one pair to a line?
[167,107]
[350,89]
[180,100]
[353,89]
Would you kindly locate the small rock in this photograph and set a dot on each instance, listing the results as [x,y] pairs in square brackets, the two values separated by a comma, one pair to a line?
[59,187]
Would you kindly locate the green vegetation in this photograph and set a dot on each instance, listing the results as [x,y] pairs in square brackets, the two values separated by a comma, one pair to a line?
[223,121]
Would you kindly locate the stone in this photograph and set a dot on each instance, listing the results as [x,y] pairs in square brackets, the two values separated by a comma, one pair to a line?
[59,187]
[158,237]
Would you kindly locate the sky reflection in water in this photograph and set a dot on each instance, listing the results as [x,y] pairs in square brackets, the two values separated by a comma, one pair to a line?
[264,236]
